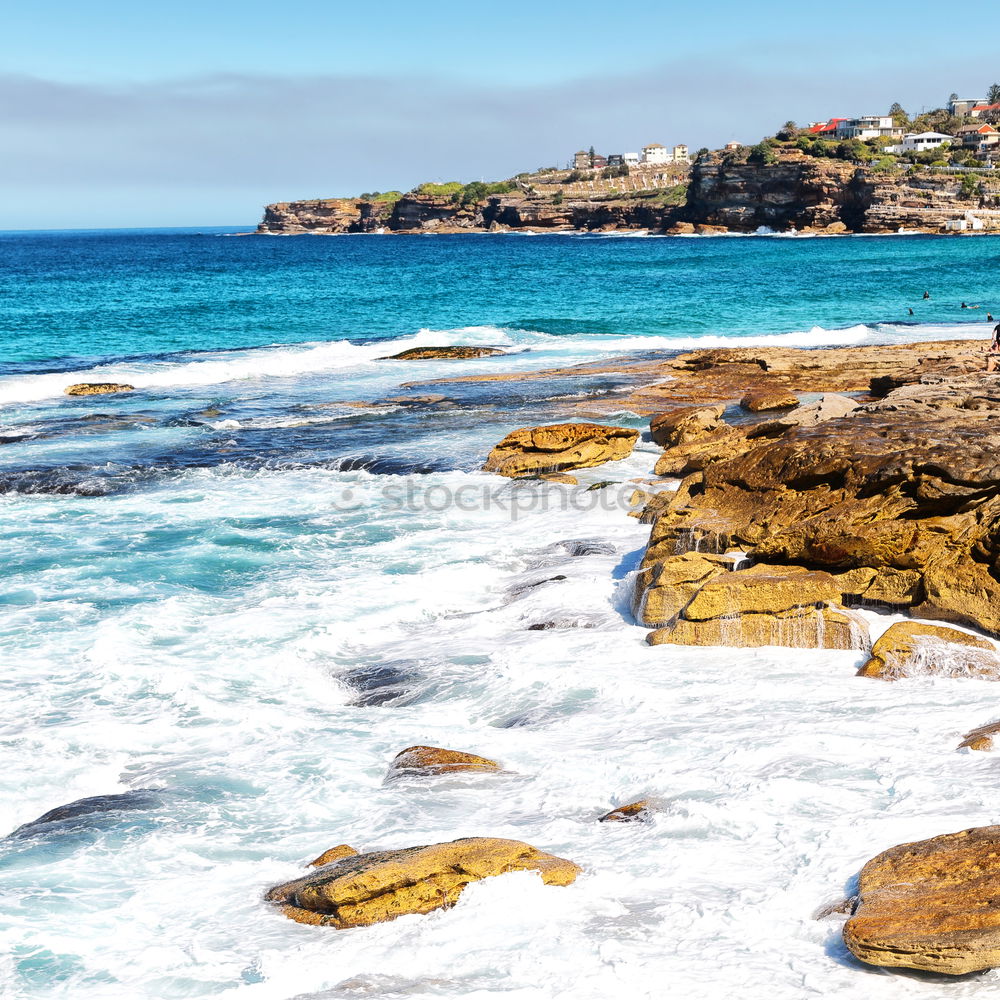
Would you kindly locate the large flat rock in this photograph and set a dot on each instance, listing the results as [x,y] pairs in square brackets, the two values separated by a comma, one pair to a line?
[557,447]
[370,888]
[931,905]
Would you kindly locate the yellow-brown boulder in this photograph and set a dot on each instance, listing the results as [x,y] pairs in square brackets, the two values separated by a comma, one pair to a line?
[909,649]
[337,853]
[798,628]
[762,590]
[372,888]
[764,400]
[97,388]
[421,760]
[557,447]
[635,812]
[458,353]
[664,589]
[931,905]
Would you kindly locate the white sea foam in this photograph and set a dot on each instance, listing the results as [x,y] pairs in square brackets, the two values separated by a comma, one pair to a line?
[773,793]
[525,350]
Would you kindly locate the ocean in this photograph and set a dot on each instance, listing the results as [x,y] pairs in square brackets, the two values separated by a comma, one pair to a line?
[233,595]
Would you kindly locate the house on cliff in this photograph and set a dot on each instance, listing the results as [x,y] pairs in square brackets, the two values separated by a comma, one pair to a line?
[581,160]
[656,152]
[979,138]
[868,127]
[918,142]
[961,107]
[981,110]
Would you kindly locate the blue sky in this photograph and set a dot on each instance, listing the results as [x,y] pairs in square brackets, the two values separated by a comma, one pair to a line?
[118,114]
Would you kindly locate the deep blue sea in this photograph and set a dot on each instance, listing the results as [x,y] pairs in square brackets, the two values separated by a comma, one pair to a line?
[230,597]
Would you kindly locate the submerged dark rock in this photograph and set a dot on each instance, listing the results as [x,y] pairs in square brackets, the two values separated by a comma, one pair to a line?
[382,683]
[82,812]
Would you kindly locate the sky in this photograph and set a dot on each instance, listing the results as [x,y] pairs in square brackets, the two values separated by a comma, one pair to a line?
[116,114]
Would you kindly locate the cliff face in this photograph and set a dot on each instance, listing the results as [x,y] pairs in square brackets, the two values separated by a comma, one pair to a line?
[427,213]
[797,192]
[805,193]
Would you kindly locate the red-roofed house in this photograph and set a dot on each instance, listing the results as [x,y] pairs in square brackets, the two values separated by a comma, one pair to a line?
[980,109]
[979,137]
[825,129]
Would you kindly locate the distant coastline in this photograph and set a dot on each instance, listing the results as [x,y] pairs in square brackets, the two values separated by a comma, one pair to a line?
[866,175]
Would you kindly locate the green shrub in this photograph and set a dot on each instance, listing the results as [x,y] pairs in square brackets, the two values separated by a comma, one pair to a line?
[447,190]
[762,154]
[388,197]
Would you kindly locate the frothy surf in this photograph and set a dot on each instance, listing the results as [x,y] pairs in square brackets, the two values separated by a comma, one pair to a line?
[262,599]
[527,349]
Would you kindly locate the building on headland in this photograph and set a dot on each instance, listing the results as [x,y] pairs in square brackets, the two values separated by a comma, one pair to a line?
[868,127]
[979,110]
[732,146]
[827,129]
[968,223]
[655,152]
[919,142]
[980,138]
[961,107]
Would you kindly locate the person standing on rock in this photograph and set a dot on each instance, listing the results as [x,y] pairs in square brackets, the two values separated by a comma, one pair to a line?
[993,356]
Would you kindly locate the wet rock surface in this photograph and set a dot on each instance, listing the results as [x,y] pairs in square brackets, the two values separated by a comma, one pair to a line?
[931,905]
[83,812]
[899,499]
[635,812]
[426,761]
[557,447]
[370,888]
[911,649]
[458,353]
[97,388]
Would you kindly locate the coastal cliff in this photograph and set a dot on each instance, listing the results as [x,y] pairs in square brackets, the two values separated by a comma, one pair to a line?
[718,193]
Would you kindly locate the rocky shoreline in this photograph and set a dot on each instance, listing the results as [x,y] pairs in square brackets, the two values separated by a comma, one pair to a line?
[797,493]
[813,484]
[716,196]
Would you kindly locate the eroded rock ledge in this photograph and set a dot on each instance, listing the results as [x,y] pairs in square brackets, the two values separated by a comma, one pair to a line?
[931,905]
[892,501]
[361,889]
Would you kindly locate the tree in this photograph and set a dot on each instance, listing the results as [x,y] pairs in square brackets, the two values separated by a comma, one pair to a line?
[899,117]
[952,97]
[762,155]
[591,154]
[788,131]
[993,94]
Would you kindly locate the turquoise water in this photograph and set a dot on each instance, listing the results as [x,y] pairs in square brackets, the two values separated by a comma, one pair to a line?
[90,295]
[230,597]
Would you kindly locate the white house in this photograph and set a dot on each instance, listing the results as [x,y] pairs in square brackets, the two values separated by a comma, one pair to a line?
[917,142]
[630,159]
[681,154]
[656,152]
[867,127]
